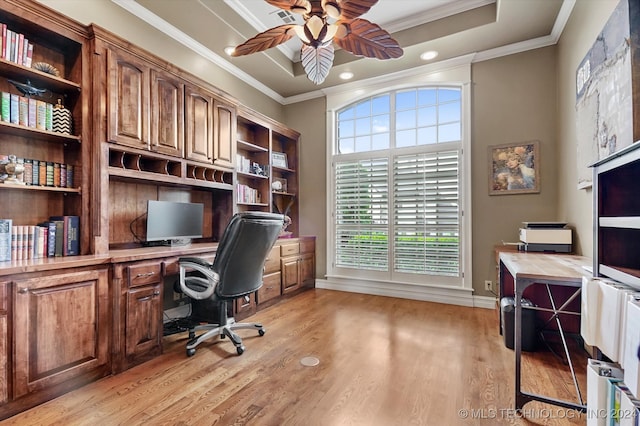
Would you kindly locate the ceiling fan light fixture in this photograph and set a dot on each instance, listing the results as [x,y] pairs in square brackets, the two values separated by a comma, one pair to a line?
[229,50]
[332,9]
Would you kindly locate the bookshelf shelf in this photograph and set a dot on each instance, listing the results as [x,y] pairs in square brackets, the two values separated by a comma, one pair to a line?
[18,130]
[36,77]
[248,146]
[9,186]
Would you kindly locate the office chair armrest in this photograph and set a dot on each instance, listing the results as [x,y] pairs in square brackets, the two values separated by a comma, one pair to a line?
[208,284]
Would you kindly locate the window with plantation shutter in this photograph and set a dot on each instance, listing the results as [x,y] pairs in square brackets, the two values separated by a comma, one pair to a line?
[362,214]
[396,181]
[427,213]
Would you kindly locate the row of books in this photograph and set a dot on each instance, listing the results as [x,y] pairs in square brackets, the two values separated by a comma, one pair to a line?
[59,236]
[43,173]
[247,195]
[26,112]
[16,47]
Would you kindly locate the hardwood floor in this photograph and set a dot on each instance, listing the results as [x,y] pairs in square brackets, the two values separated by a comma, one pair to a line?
[383,361]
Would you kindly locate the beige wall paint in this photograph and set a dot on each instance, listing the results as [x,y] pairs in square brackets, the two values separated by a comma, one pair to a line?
[575,206]
[513,100]
[115,19]
[309,119]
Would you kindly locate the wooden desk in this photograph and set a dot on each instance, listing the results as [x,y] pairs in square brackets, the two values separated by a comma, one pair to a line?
[547,269]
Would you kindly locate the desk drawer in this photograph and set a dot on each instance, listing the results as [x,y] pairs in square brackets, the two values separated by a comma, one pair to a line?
[144,273]
[272,264]
[289,249]
[270,287]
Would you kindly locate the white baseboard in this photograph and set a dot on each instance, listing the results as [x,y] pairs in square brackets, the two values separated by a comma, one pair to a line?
[452,296]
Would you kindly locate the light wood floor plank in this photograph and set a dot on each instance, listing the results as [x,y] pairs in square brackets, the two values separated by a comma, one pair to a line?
[383,361]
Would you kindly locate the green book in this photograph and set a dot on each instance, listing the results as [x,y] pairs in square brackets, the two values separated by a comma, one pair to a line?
[5,102]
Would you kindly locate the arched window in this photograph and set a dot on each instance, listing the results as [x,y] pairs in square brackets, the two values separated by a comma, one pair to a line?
[396,178]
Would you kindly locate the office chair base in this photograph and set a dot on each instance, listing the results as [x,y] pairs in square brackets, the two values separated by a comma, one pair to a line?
[222,331]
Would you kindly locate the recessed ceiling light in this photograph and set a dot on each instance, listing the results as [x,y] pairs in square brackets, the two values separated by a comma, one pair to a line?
[229,50]
[346,75]
[428,55]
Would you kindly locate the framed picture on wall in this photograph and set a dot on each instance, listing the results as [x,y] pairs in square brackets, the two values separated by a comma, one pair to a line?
[513,168]
[279,159]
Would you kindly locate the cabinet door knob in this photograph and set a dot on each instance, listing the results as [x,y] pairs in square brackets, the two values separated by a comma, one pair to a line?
[156,293]
[23,290]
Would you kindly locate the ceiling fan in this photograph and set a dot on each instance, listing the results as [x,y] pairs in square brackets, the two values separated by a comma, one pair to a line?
[325,22]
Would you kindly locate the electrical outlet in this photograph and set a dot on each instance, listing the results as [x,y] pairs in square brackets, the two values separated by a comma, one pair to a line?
[488,285]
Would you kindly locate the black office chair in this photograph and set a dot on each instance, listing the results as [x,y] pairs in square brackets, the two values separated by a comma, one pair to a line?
[235,272]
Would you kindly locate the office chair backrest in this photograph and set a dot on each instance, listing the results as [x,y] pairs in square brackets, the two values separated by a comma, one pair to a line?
[242,251]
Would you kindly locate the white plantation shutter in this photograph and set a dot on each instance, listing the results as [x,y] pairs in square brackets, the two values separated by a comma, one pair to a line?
[397,179]
[427,214]
[362,214]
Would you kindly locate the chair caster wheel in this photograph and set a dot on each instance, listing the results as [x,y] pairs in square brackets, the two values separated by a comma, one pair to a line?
[240,349]
[191,352]
[261,331]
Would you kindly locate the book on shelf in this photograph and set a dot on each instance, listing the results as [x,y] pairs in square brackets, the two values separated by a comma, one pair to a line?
[23,111]
[31,116]
[5,106]
[70,238]
[5,239]
[49,248]
[4,41]
[29,55]
[13,108]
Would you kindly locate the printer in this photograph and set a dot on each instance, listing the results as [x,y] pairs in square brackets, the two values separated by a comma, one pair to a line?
[550,237]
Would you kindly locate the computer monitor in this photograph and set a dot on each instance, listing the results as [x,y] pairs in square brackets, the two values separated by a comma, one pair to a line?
[173,223]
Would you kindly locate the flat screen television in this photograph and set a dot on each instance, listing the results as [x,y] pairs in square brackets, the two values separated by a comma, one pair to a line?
[173,223]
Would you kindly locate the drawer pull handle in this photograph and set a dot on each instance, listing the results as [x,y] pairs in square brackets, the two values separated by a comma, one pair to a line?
[23,290]
[148,274]
[156,293]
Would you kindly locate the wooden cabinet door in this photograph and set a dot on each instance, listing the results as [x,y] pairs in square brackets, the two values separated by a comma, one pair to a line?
[290,274]
[143,332]
[224,135]
[128,100]
[61,324]
[307,269]
[198,116]
[4,343]
[167,114]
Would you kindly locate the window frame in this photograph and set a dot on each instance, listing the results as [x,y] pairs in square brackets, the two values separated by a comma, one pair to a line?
[458,77]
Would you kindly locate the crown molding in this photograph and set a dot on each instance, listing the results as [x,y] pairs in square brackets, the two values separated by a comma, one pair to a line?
[144,14]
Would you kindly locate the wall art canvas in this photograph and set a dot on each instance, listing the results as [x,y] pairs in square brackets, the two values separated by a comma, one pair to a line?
[604,95]
[513,168]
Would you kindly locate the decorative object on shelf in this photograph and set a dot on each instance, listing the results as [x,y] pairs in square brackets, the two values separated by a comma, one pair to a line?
[513,168]
[279,159]
[46,68]
[61,119]
[279,185]
[14,169]
[27,89]
[325,22]
[260,169]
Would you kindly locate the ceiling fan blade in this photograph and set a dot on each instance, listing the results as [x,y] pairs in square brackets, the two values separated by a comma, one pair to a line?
[265,40]
[296,6]
[351,9]
[364,38]
[317,62]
